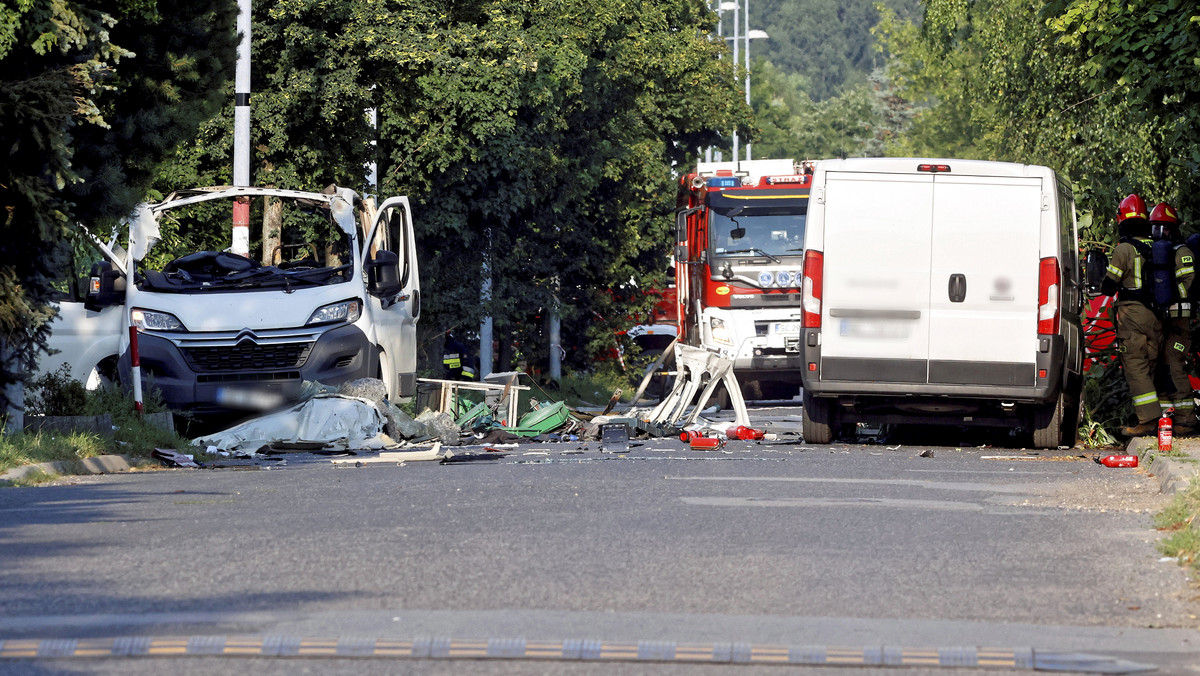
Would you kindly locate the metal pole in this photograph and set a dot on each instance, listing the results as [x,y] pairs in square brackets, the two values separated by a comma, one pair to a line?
[241,132]
[736,11]
[556,353]
[485,327]
[746,27]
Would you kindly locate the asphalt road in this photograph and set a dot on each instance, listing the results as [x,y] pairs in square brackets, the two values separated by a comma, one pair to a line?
[762,543]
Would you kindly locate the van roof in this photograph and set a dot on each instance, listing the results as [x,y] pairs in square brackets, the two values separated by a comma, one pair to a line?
[908,165]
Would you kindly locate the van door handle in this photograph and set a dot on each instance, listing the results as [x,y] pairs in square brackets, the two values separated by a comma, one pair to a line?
[958,288]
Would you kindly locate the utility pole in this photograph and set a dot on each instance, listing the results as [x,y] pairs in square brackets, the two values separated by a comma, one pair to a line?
[241,132]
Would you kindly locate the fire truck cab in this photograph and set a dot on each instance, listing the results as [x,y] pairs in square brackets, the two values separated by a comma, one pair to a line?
[739,267]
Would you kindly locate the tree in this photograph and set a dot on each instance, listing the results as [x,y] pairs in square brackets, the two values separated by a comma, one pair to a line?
[827,42]
[91,98]
[540,142]
[992,80]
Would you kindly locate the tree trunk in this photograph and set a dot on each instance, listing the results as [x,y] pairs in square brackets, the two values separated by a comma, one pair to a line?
[13,394]
[272,225]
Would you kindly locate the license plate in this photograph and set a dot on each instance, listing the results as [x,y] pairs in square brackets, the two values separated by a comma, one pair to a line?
[864,328]
[248,398]
[791,328]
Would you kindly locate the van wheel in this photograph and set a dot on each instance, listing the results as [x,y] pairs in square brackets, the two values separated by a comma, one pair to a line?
[1070,424]
[1048,423]
[816,427]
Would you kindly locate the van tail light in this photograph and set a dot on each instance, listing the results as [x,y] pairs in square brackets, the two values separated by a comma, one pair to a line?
[1049,283]
[810,301]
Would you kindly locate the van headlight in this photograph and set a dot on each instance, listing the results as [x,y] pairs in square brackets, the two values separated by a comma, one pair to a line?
[149,320]
[347,311]
[720,334]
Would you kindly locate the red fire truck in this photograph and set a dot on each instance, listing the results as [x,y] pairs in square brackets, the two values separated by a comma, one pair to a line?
[739,267]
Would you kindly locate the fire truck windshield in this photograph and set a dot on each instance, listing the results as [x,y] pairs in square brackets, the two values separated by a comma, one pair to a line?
[767,230]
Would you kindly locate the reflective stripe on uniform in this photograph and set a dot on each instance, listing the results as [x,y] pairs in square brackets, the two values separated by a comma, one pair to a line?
[1137,272]
[1143,399]
[1185,405]
[1179,272]
[1115,271]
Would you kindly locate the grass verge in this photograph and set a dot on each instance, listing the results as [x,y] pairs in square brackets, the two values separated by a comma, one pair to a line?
[1179,519]
[132,435]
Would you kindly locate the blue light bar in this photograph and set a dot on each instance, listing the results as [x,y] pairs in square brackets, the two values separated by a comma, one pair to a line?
[724,182]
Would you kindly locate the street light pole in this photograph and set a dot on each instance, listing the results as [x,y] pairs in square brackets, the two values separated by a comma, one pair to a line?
[746,31]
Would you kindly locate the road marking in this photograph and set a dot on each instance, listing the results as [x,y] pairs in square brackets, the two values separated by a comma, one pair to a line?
[891,503]
[916,483]
[568,650]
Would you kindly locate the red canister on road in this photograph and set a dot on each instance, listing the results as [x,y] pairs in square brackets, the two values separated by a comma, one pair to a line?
[1119,461]
[707,443]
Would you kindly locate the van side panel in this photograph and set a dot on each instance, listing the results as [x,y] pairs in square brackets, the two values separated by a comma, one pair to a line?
[984,275]
[876,280]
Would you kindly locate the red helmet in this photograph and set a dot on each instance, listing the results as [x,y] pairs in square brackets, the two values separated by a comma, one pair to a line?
[1164,213]
[1131,207]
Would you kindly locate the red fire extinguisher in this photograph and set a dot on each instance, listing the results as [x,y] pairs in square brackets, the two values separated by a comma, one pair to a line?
[1165,432]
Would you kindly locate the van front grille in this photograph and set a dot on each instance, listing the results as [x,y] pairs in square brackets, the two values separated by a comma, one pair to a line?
[247,356]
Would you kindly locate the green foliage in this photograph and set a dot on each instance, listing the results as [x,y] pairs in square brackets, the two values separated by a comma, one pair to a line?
[1179,519]
[861,121]
[536,140]
[91,99]
[1106,405]
[29,448]
[827,43]
[55,393]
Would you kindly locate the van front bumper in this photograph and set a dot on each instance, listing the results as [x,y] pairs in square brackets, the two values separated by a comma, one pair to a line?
[222,372]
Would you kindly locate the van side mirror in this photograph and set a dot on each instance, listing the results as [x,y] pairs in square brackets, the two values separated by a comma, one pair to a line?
[1096,265]
[106,287]
[383,274]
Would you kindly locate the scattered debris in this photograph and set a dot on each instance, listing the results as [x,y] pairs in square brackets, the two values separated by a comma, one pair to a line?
[332,421]
[696,367]
[472,456]
[614,438]
[172,458]
[928,453]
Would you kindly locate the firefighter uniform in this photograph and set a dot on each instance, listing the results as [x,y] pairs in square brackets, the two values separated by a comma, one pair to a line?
[457,360]
[1139,331]
[1176,392]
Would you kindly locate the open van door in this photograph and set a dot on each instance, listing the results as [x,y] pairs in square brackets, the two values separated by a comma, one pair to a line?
[91,320]
[393,294]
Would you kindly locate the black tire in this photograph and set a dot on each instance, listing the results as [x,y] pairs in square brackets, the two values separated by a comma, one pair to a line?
[1070,423]
[817,427]
[1048,423]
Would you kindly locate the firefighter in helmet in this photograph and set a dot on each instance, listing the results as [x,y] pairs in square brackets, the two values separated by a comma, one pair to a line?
[1175,388]
[1139,329]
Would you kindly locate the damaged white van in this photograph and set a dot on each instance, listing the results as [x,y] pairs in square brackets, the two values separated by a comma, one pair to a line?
[329,292]
[943,292]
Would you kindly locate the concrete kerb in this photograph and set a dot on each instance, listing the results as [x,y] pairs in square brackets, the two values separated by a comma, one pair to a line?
[103,464]
[1174,472]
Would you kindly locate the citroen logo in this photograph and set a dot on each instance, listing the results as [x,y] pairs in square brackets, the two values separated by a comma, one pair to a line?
[246,337]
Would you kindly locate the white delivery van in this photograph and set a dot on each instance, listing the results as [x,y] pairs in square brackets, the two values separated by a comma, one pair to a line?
[941,291]
[329,293]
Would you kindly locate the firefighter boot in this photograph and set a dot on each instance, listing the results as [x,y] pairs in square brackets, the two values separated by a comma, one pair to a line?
[1141,429]
[1185,427]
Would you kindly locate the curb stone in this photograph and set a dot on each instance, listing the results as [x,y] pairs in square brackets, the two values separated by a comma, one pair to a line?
[102,464]
[1174,474]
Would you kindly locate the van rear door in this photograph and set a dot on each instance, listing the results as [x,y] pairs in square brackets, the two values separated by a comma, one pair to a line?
[876,324]
[983,293]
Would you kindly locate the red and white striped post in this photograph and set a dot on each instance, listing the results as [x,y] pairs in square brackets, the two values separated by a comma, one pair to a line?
[135,369]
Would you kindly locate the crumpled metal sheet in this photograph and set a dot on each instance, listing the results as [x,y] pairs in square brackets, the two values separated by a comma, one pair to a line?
[336,421]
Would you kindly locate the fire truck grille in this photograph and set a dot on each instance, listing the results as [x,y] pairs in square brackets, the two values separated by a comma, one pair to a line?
[247,357]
